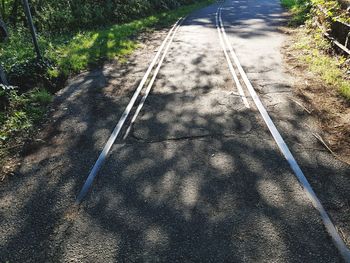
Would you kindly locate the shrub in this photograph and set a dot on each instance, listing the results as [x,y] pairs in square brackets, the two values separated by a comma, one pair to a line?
[22,111]
[71,15]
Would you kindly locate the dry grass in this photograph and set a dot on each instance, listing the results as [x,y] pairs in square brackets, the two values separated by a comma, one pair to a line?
[320,96]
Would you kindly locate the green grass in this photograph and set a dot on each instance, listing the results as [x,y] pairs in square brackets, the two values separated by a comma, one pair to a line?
[313,46]
[70,54]
[300,10]
[23,111]
[93,47]
[82,50]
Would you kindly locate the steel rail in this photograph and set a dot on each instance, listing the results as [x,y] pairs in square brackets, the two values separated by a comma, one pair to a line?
[230,65]
[338,241]
[150,85]
[103,155]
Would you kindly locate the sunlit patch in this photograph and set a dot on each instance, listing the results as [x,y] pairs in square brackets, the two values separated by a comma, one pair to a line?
[271,233]
[155,236]
[271,193]
[167,182]
[168,154]
[258,231]
[74,250]
[190,191]
[222,162]
[100,136]
[146,191]
[202,20]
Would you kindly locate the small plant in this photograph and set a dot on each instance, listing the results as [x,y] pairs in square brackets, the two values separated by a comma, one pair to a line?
[4,94]
[300,10]
[31,73]
[41,96]
[23,111]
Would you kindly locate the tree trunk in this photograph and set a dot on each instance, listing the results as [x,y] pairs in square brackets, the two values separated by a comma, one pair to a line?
[14,13]
[3,31]
[3,79]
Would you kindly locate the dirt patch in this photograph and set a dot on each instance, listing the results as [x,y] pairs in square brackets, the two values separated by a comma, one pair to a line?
[331,111]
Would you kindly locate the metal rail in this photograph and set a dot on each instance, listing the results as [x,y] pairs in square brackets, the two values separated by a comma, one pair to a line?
[103,156]
[338,241]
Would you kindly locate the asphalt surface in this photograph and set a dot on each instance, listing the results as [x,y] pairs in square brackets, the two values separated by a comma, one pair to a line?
[199,179]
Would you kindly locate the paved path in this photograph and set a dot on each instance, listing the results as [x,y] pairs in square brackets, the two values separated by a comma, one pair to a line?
[199,179]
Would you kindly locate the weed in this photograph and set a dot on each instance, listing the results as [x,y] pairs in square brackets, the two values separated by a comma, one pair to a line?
[23,111]
[300,10]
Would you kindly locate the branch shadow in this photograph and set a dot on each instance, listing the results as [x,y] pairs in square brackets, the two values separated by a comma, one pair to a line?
[199,180]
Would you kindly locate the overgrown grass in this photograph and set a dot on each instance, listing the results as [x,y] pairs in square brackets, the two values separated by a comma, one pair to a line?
[302,10]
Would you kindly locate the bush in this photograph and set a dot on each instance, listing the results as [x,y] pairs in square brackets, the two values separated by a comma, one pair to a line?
[30,73]
[22,111]
[71,15]
[4,96]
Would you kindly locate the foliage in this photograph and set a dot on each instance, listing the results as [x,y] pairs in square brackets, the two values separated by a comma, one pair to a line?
[302,10]
[4,90]
[69,15]
[22,111]
[32,73]
[331,69]
[73,52]
[66,54]
[314,48]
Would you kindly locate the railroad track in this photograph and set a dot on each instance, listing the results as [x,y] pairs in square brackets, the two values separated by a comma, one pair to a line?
[338,241]
[244,86]
[158,59]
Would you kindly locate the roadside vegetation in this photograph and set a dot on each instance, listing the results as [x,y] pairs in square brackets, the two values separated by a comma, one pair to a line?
[322,71]
[73,36]
[315,50]
[302,10]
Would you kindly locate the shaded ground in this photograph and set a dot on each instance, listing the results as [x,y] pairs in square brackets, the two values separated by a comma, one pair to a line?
[320,100]
[327,117]
[199,180]
[259,39]
[36,198]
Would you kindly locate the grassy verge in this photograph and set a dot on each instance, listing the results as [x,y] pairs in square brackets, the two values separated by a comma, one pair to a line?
[21,109]
[76,52]
[315,51]
[302,10]
[299,9]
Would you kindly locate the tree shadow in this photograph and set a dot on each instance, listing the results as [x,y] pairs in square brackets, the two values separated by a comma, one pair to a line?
[199,180]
